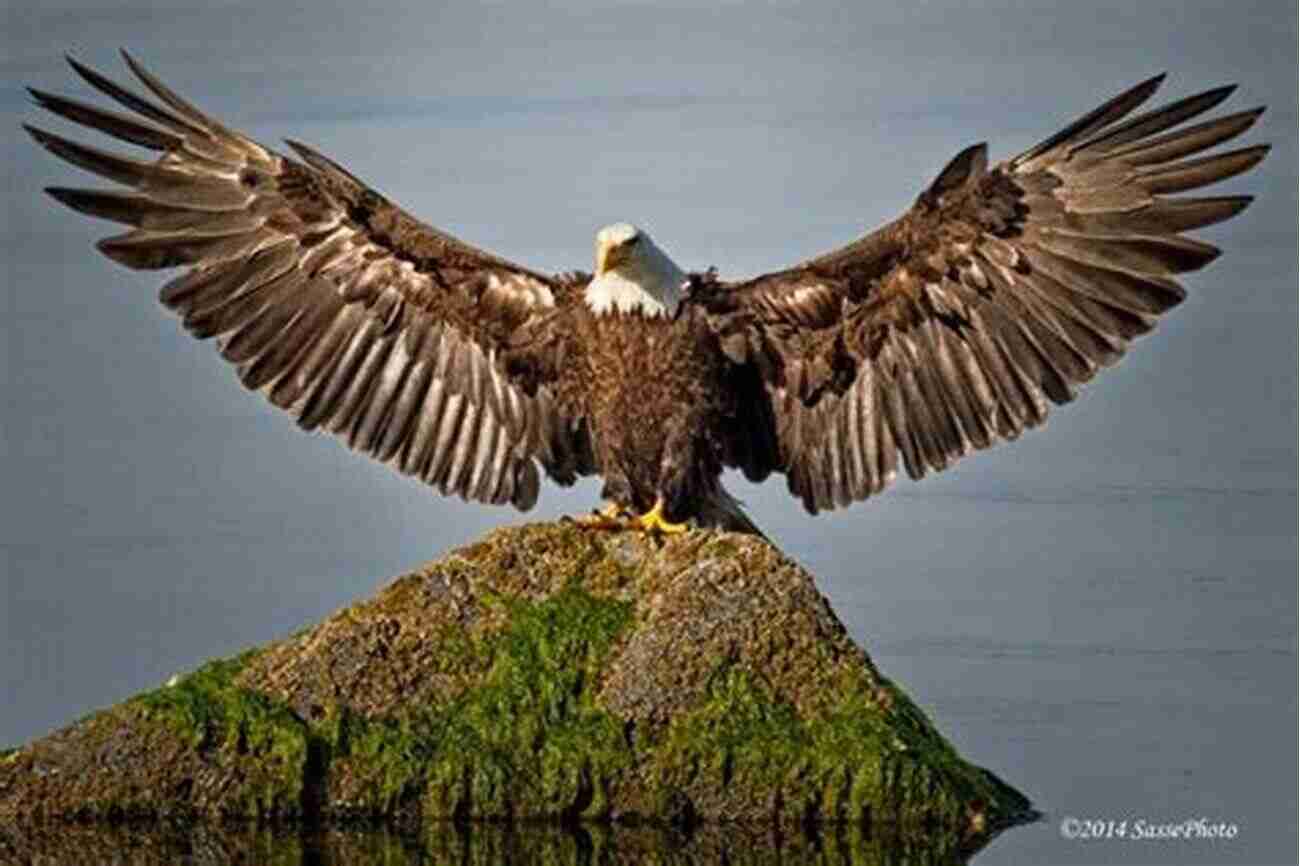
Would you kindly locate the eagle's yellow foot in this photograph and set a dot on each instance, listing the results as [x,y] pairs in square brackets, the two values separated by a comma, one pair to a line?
[609,517]
[653,521]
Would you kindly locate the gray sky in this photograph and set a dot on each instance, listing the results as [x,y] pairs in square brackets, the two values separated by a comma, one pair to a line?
[155,514]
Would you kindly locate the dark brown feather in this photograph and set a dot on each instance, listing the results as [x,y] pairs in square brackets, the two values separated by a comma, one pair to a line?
[123,170]
[1185,142]
[114,123]
[278,306]
[405,410]
[125,208]
[1195,173]
[1095,120]
[359,389]
[272,364]
[134,102]
[1153,122]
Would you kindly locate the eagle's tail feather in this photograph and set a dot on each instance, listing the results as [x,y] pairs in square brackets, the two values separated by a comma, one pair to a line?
[721,510]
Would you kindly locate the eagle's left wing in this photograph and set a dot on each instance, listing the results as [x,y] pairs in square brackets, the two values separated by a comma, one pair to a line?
[998,293]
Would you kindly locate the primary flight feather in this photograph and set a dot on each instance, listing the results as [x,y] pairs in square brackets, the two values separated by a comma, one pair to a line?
[953,327]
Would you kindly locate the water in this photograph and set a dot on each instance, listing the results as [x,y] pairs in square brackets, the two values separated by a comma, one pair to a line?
[480,845]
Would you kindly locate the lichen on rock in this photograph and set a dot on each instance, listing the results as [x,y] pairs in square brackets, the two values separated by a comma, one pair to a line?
[543,672]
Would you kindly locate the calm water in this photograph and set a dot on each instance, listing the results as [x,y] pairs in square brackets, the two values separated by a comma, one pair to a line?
[483,845]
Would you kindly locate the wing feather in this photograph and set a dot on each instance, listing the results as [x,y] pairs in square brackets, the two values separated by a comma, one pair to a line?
[856,479]
[954,391]
[419,450]
[405,411]
[999,293]
[278,306]
[281,354]
[462,452]
[444,442]
[1193,139]
[374,413]
[339,306]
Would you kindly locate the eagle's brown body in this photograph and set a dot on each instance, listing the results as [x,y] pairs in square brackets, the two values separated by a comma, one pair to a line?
[998,293]
[656,392]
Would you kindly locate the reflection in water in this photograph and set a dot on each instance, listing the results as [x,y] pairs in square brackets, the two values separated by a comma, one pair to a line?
[475,845]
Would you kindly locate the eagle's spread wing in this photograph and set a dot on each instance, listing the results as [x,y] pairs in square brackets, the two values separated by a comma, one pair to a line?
[336,304]
[998,292]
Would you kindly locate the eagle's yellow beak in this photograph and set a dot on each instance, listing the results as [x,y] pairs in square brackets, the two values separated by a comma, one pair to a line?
[609,255]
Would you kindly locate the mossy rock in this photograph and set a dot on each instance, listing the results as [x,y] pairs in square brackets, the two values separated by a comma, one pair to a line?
[545,672]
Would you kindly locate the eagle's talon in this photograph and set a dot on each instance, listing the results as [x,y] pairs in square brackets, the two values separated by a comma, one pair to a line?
[654,522]
[611,516]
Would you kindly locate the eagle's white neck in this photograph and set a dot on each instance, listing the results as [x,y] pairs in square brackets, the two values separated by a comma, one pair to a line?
[647,281]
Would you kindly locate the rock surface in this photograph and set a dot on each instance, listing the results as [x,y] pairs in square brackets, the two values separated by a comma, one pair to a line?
[543,672]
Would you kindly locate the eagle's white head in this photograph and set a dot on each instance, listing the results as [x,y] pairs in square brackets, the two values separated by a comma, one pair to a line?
[633,274]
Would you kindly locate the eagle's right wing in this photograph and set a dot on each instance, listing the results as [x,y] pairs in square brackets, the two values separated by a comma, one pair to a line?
[336,304]
[998,293]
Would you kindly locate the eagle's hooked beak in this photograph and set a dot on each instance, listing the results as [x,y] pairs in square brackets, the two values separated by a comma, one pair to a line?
[609,255]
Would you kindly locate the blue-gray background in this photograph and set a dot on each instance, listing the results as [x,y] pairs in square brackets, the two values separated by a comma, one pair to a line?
[1104,613]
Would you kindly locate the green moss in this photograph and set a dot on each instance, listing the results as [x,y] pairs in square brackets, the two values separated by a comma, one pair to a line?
[735,747]
[871,756]
[373,767]
[230,724]
[207,706]
[529,739]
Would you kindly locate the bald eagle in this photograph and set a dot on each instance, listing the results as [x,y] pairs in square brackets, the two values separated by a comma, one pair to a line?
[951,328]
